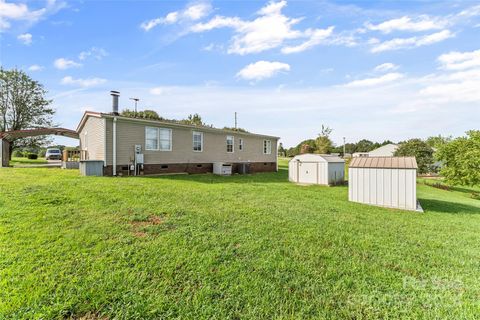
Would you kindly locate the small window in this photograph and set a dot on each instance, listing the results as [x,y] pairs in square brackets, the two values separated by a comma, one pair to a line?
[267,147]
[158,139]
[165,139]
[164,166]
[197,141]
[240,144]
[230,141]
[151,138]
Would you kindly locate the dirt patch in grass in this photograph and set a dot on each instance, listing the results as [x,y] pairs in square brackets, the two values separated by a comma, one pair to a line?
[140,226]
[151,221]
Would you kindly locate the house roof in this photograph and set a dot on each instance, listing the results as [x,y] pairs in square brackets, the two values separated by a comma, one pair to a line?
[312,157]
[385,150]
[166,123]
[384,162]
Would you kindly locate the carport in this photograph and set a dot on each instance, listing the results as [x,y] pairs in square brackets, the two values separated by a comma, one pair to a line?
[7,137]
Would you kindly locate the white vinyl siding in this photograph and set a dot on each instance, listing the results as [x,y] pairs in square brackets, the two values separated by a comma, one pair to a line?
[197,141]
[267,147]
[158,139]
[385,187]
[230,144]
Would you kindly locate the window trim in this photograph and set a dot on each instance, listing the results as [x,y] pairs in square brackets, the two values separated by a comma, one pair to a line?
[267,146]
[240,144]
[158,129]
[193,141]
[233,143]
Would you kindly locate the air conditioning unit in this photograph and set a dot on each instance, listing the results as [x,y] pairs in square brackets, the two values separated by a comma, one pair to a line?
[222,168]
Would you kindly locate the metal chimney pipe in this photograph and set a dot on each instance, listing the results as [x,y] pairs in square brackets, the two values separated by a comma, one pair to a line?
[115,95]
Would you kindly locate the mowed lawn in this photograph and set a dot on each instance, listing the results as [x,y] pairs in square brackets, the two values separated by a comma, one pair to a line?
[242,247]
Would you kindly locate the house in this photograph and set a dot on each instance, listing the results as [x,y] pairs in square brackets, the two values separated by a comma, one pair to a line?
[321,169]
[384,151]
[129,146]
[383,181]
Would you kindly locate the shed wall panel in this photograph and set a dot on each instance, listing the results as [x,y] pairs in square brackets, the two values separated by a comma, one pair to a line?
[395,188]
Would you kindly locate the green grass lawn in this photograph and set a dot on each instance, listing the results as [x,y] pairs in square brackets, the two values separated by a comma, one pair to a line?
[17,160]
[240,247]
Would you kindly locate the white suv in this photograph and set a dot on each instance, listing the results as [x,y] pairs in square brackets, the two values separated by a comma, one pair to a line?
[53,154]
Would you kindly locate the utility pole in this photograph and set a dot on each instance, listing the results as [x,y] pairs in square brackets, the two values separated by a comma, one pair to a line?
[235,120]
[344,147]
[136,101]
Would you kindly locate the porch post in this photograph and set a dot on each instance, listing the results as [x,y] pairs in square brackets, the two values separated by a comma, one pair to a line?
[4,153]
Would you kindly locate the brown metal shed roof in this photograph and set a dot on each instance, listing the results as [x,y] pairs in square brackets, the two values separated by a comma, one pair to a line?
[384,162]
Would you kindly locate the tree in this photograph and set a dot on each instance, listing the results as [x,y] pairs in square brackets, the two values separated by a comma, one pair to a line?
[461,159]
[281,150]
[364,145]
[23,106]
[324,144]
[193,119]
[145,114]
[437,141]
[420,150]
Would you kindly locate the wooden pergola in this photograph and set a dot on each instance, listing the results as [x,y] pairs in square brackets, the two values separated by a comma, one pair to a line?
[6,137]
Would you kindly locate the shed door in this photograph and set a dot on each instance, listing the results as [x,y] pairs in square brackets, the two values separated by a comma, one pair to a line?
[308,172]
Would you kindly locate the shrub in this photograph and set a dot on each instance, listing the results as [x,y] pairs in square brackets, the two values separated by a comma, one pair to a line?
[18,154]
[32,156]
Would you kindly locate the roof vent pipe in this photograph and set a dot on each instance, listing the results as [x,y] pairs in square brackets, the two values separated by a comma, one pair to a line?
[115,95]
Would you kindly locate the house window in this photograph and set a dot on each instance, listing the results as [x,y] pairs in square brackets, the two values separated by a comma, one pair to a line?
[240,144]
[151,138]
[230,141]
[165,139]
[267,147]
[158,139]
[197,141]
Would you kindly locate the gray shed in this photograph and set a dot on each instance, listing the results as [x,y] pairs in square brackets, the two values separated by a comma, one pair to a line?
[321,169]
[383,181]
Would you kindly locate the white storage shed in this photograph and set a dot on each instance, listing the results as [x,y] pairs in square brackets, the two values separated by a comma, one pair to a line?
[384,181]
[316,169]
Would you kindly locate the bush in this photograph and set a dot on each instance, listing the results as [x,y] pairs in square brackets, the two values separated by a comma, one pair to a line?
[32,156]
[18,154]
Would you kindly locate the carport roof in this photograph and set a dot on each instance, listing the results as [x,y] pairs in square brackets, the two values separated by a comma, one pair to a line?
[15,134]
[384,162]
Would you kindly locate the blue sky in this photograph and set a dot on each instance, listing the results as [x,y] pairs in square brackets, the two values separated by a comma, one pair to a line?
[376,70]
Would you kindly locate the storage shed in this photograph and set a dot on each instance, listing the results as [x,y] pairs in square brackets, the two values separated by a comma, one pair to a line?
[321,169]
[383,181]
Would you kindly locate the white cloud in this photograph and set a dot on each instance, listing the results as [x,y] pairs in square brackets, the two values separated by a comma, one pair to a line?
[317,36]
[422,23]
[262,70]
[197,11]
[158,91]
[97,53]
[25,38]
[10,12]
[62,64]
[192,12]
[271,29]
[412,42]
[84,83]
[378,81]
[460,60]
[35,67]
[384,67]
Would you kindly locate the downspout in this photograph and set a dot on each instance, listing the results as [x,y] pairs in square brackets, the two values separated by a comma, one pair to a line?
[114,160]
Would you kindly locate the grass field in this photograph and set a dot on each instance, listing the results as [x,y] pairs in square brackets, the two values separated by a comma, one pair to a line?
[238,247]
[17,160]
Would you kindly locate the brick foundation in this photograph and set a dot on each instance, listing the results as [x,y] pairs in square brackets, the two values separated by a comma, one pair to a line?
[190,168]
